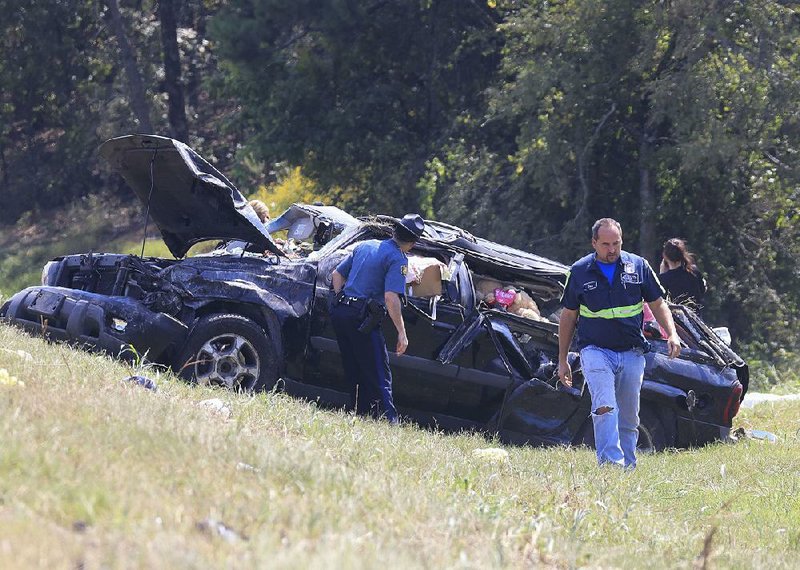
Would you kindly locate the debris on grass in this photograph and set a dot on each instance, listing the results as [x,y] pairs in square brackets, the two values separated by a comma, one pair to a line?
[7,379]
[241,466]
[216,406]
[759,434]
[24,355]
[491,455]
[214,527]
[142,381]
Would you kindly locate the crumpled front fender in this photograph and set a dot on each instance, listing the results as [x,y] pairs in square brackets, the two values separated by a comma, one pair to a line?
[287,289]
[101,322]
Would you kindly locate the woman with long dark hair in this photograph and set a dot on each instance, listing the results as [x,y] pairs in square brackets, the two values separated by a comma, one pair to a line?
[679,274]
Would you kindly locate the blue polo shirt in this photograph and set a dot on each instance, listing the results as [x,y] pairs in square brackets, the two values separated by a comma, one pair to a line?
[374,268]
[611,312]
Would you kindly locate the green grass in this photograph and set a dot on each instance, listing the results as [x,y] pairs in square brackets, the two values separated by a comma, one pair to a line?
[101,473]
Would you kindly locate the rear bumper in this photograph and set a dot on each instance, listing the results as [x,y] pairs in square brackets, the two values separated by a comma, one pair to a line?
[101,322]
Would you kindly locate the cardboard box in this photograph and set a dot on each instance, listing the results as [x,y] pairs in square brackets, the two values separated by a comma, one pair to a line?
[424,277]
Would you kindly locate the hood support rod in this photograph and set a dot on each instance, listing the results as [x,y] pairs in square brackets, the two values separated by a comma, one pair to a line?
[149,197]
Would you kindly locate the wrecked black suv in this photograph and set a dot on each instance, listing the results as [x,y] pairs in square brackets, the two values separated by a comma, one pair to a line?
[481,317]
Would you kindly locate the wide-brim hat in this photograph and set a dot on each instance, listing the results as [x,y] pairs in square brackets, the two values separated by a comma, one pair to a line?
[412,226]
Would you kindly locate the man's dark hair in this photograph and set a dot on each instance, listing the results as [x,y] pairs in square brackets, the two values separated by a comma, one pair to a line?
[605,222]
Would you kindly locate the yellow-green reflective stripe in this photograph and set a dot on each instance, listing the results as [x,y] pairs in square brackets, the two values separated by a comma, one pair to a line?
[614,312]
[566,284]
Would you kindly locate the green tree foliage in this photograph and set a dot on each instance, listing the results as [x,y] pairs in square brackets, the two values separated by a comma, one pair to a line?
[674,117]
[522,120]
[63,91]
[362,94]
[46,119]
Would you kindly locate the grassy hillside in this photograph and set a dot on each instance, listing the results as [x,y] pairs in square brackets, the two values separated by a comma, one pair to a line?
[95,472]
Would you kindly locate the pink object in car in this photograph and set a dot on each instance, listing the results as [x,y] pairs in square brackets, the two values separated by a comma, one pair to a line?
[649,317]
[503,297]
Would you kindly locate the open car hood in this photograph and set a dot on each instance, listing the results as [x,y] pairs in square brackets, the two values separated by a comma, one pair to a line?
[189,200]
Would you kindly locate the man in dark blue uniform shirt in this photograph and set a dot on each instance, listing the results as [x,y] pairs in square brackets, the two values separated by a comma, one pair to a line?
[372,278]
[604,296]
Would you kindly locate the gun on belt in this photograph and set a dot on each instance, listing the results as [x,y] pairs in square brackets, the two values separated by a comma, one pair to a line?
[374,312]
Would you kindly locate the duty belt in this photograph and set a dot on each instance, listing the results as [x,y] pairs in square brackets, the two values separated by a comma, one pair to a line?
[352,301]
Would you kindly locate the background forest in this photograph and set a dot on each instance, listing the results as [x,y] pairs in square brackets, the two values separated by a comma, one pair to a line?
[523,121]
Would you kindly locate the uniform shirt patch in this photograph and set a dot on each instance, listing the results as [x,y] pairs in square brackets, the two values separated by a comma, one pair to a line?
[629,267]
[634,278]
[590,286]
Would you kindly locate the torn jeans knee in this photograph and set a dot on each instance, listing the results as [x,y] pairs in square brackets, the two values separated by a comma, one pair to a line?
[606,436]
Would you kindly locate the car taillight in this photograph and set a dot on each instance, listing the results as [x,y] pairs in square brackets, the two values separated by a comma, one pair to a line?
[732,407]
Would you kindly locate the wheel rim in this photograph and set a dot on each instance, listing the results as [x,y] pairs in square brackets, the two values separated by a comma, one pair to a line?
[228,360]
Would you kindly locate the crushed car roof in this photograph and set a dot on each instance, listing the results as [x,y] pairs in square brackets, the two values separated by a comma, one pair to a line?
[480,252]
[302,220]
[189,200]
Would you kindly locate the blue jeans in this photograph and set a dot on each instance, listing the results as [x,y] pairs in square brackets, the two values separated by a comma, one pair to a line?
[614,380]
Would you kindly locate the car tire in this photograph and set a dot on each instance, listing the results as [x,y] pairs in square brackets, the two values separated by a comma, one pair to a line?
[656,433]
[229,350]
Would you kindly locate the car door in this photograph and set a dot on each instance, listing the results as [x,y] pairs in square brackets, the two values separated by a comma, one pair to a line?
[470,378]
[321,365]
[420,382]
[538,408]
[507,382]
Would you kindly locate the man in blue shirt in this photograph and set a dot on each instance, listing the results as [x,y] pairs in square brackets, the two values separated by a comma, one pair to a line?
[604,296]
[374,273]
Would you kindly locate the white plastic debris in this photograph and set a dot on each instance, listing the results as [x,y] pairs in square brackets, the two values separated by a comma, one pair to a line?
[216,406]
[762,435]
[24,355]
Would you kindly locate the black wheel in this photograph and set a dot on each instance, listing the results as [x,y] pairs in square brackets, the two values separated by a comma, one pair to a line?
[229,350]
[655,433]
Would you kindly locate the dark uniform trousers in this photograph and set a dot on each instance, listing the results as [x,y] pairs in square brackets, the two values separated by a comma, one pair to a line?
[366,363]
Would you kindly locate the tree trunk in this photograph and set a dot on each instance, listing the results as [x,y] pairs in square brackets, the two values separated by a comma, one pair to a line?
[647,202]
[192,90]
[3,164]
[137,92]
[176,109]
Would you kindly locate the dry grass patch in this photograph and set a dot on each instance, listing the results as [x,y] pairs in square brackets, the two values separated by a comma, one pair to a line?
[103,473]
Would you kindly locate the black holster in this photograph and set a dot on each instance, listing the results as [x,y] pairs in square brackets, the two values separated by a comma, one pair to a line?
[371,316]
